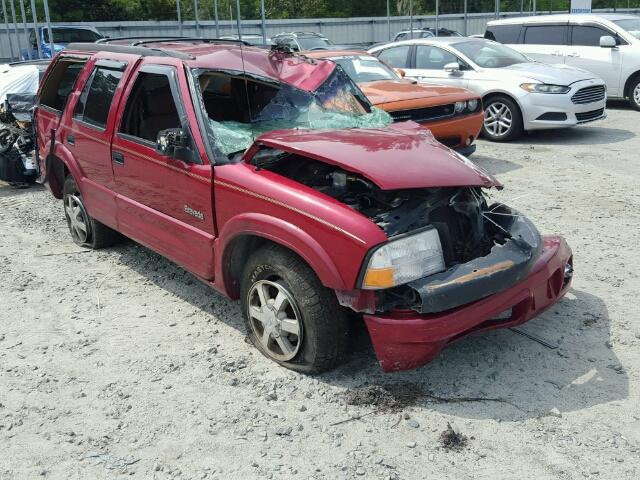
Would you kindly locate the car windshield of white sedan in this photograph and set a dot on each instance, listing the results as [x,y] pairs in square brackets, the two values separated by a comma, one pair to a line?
[361,68]
[490,55]
[631,25]
[239,109]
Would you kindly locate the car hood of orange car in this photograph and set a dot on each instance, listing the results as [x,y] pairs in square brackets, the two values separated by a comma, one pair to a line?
[385,92]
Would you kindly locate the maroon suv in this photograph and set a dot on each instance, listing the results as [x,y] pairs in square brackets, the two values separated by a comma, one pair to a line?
[270,177]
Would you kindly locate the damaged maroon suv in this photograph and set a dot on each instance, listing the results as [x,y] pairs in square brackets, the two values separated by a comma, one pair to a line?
[270,177]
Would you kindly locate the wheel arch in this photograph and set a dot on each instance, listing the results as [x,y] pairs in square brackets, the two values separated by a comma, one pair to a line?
[626,93]
[246,233]
[499,93]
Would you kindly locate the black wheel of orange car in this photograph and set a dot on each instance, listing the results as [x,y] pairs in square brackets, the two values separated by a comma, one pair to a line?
[634,93]
[85,230]
[289,315]
[502,119]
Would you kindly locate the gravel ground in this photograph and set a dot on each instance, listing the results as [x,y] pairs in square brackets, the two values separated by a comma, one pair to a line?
[118,363]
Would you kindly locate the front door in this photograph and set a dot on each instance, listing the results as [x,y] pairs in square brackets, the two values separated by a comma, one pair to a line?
[163,202]
[585,52]
[427,66]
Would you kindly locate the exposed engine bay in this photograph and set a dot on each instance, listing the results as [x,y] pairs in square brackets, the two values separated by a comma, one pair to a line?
[458,213]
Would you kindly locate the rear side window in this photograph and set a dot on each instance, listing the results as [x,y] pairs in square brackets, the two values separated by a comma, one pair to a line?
[150,108]
[95,102]
[588,36]
[395,56]
[503,33]
[545,35]
[60,82]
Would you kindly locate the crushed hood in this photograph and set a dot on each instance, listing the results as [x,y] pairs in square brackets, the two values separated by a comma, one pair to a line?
[401,156]
[389,91]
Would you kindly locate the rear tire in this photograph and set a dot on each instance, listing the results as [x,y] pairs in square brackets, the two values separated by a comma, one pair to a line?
[634,93]
[85,230]
[502,119]
[289,315]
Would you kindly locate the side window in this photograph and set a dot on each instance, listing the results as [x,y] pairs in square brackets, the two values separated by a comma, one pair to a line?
[401,36]
[433,58]
[503,33]
[97,96]
[588,36]
[32,38]
[395,56]
[150,108]
[546,35]
[59,82]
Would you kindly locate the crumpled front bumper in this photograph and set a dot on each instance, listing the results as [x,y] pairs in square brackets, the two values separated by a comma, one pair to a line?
[405,340]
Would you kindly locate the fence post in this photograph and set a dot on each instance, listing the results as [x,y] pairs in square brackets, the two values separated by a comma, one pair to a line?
[466,7]
[197,16]
[215,13]
[179,17]
[6,26]
[24,27]
[15,27]
[437,14]
[35,27]
[238,19]
[389,21]
[264,26]
[47,17]
[497,9]
[411,19]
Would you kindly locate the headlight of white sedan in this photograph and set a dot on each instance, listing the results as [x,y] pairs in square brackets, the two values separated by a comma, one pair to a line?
[544,88]
[403,260]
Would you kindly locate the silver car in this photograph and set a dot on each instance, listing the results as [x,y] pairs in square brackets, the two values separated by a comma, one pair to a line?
[518,94]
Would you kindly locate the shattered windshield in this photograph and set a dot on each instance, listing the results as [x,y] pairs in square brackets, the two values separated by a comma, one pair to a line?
[240,108]
[363,68]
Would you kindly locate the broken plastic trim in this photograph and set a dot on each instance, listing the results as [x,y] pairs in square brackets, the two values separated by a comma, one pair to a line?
[504,267]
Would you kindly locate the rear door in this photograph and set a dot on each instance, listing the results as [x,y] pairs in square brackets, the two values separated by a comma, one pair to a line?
[163,202]
[427,64]
[87,133]
[53,95]
[585,52]
[546,43]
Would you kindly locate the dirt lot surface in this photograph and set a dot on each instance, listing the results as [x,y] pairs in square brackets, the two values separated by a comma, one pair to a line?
[117,363]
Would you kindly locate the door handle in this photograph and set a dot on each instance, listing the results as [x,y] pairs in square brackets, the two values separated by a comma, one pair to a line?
[118,158]
[556,53]
[71,140]
[574,54]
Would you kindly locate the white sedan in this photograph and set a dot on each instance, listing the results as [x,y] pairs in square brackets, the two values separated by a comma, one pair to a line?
[518,94]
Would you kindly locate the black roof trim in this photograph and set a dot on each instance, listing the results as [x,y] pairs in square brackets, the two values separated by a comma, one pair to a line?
[142,51]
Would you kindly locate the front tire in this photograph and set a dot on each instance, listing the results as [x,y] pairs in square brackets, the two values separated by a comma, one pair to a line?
[634,93]
[502,119]
[289,315]
[85,230]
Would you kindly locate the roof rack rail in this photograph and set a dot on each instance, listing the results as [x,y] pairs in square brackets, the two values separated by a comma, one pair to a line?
[142,51]
[143,40]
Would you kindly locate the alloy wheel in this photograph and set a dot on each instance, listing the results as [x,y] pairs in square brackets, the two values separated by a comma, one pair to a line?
[275,319]
[76,218]
[498,119]
[636,94]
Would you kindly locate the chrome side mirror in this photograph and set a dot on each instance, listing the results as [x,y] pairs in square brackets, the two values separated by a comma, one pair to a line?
[607,41]
[452,68]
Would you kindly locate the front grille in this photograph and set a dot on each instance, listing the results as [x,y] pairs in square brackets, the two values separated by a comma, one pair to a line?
[589,95]
[553,116]
[424,114]
[588,116]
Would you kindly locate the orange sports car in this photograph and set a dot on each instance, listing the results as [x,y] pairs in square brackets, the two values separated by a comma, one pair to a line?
[454,115]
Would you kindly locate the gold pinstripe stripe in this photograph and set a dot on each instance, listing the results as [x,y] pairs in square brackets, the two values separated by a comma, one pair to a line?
[289,207]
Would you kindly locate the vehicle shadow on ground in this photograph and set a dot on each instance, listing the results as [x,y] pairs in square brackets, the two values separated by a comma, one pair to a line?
[518,377]
[8,191]
[495,166]
[583,135]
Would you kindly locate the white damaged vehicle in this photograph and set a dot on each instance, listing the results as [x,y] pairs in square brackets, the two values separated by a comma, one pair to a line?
[518,94]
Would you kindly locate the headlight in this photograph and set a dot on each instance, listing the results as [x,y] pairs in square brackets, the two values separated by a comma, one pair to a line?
[544,88]
[460,106]
[472,105]
[404,260]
